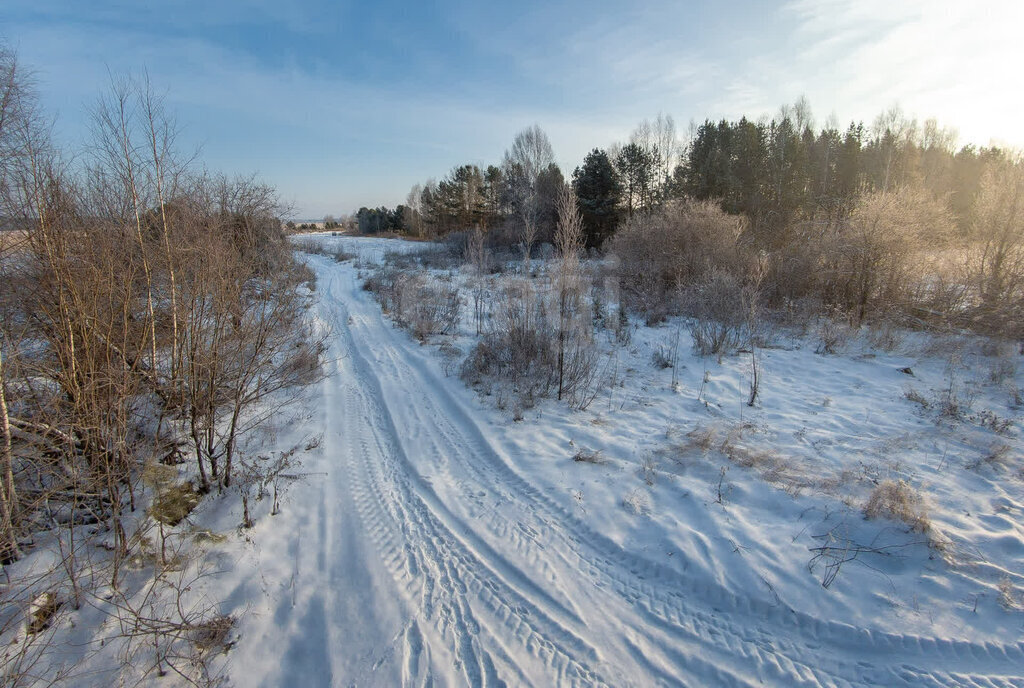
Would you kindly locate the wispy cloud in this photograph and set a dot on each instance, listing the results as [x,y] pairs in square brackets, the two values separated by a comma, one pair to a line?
[341,108]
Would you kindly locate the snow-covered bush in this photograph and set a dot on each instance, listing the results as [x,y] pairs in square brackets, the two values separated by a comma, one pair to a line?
[427,306]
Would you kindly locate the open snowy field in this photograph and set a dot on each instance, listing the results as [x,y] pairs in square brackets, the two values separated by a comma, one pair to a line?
[430,533]
[446,543]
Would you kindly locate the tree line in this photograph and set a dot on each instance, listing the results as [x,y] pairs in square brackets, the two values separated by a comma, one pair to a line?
[775,172]
[861,219]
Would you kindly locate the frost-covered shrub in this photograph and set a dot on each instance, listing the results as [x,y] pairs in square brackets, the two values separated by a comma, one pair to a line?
[672,249]
[382,283]
[520,346]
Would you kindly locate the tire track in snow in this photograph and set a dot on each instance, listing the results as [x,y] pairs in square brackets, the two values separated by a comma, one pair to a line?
[672,625]
[443,574]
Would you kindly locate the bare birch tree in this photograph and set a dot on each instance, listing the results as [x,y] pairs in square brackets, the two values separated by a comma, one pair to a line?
[530,155]
[574,355]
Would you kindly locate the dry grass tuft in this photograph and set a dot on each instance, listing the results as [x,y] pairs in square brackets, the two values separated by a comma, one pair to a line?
[897,500]
[173,504]
[912,395]
[1007,594]
[649,470]
[637,502]
[999,455]
[41,614]
[589,456]
[213,634]
[157,475]
[701,438]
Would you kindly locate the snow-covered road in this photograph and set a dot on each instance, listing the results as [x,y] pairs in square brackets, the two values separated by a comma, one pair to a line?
[416,554]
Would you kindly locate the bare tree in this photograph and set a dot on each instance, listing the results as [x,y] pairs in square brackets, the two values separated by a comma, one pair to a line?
[8,494]
[414,210]
[997,257]
[894,132]
[243,320]
[574,355]
[530,155]
[667,145]
[116,132]
[16,120]
[476,256]
[164,171]
[802,116]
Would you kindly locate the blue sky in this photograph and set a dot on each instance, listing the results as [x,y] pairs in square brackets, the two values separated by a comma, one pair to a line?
[343,104]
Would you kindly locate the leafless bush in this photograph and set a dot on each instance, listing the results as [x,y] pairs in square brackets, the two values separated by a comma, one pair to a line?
[383,284]
[793,278]
[427,306]
[673,249]
[720,307]
[869,265]
[478,259]
[987,418]
[417,301]
[661,358]
[576,355]
[147,304]
[520,344]
[1003,370]
[995,263]
[954,400]
[897,500]
[838,549]
[833,336]
[885,335]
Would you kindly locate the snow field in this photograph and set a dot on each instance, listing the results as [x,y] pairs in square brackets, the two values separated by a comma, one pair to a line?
[472,550]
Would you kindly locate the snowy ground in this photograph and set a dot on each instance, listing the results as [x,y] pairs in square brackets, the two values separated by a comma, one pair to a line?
[435,540]
[440,542]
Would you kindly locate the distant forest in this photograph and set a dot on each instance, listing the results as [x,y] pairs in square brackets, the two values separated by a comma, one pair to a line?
[775,172]
[891,220]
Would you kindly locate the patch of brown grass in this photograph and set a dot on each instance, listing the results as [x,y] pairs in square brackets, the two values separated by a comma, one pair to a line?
[173,504]
[897,500]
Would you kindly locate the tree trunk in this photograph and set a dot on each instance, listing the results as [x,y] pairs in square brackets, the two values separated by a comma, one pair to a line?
[8,495]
